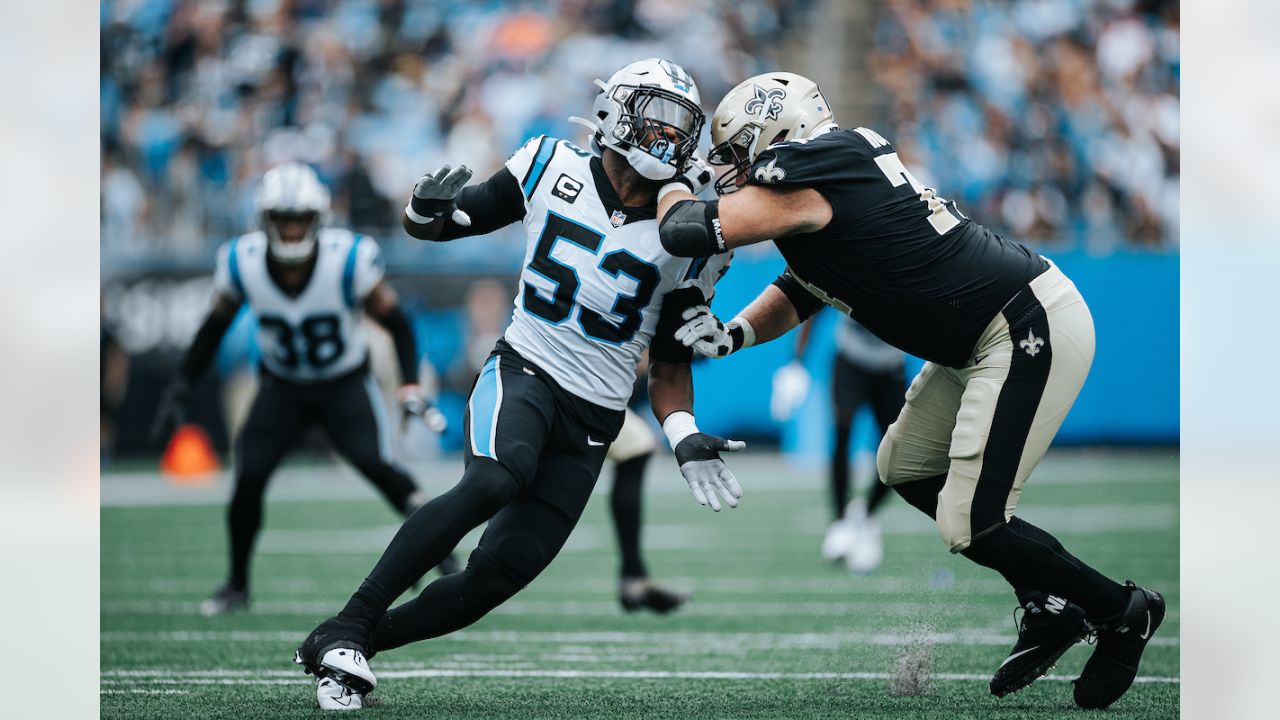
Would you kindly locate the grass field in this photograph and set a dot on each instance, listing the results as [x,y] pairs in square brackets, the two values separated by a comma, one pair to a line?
[772,632]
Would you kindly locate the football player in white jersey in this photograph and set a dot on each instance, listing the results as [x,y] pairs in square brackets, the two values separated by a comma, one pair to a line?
[597,289]
[309,285]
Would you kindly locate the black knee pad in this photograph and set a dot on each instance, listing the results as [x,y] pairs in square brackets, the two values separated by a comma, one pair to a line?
[922,494]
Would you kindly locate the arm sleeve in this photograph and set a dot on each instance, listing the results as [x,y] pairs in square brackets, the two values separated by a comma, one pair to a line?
[205,345]
[397,323]
[492,204]
[805,302]
[698,288]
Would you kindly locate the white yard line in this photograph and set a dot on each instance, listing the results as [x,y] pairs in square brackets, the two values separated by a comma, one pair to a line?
[255,677]
[653,642]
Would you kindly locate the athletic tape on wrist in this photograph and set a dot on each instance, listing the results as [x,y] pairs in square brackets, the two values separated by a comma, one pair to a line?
[415,217]
[678,426]
[672,187]
[748,332]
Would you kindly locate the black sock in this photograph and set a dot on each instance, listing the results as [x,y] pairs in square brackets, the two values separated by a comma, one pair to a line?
[244,519]
[429,535]
[923,495]
[626,504]
[1029,557]
[876,495]
[448,604]
[840,467]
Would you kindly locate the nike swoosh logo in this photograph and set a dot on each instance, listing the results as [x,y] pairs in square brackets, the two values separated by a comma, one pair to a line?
[1011,657]
[593,443]
[1146,633]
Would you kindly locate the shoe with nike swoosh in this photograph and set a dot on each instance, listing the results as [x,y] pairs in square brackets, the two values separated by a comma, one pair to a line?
[1114,664]
[1047,630]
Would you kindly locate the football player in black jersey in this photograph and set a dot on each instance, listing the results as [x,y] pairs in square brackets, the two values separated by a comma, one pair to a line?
[1007,337]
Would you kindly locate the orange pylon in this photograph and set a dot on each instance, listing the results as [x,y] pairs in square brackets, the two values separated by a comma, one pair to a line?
[189,459]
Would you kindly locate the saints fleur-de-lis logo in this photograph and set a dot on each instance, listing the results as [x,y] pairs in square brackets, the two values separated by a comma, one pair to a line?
[1031,344]
[770,173]
[766,103]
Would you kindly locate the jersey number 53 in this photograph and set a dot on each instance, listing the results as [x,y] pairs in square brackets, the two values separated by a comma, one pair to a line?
[567,283]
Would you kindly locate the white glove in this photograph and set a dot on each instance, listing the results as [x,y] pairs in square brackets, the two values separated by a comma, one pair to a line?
[413,404]
[709,337]
[707,475]
[435,194]
[790,387]
[697,174]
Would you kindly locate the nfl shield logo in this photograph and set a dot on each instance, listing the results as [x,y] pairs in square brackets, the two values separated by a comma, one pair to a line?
[618,218]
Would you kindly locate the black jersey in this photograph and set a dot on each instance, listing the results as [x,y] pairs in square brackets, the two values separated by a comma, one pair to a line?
[903,262]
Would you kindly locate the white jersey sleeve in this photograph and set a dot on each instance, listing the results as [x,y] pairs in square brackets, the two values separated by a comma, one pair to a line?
[368,269]
[528,164]
[226,273]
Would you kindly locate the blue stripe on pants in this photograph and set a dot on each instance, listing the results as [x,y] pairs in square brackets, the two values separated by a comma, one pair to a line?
[486,399]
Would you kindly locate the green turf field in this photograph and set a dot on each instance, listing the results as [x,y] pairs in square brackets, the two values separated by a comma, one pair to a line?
[772,632]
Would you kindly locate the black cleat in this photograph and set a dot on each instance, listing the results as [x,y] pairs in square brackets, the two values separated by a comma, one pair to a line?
[1044,634]
[1114,663]
[224,601]
[338,649]
[643,593]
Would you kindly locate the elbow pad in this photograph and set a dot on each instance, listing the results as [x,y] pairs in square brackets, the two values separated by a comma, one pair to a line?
[692,229]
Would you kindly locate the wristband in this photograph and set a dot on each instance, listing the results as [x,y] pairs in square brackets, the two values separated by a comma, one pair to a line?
[415,217]
[671,187]
[678,426]
[745,335]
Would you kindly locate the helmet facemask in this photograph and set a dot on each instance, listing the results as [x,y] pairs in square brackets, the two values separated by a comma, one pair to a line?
[660,128]
[287,248]
[739,152]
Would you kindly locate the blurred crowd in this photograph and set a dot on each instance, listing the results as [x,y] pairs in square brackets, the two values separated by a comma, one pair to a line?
[1051,120]
[199,97]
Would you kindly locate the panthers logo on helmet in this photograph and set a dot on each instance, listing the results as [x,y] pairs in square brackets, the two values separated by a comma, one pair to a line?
[766,103]
[771,173]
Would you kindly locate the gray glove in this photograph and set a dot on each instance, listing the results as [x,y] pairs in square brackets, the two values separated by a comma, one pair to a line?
[700,463]
[434,195]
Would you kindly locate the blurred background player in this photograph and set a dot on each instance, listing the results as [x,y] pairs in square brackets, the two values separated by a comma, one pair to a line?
[865,371]
[309,286]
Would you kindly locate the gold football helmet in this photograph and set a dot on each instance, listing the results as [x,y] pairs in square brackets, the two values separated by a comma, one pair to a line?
[759,112]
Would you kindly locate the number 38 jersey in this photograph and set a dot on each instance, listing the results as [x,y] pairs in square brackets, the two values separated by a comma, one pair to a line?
[595,274]
[318,334]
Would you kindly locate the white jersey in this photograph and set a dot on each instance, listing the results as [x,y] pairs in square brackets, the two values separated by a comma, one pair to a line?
[594,276]
[320,333]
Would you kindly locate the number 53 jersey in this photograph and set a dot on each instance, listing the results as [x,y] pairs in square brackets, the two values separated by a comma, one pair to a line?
[595,274]
[319,334]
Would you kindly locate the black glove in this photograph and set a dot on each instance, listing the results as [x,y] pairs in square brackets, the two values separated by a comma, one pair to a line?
[700,463]
[172,411]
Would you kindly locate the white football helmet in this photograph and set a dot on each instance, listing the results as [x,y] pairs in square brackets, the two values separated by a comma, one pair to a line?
[291,190]
[759,112]
[650,113]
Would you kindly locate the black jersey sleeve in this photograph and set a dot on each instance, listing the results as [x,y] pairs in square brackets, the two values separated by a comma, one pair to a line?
[837,164]
[492,204]
[665,347]
[805,302]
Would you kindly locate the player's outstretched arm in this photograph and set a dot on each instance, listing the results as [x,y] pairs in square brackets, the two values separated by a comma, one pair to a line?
[690,227]
[697,453]
[383,305]
[172,411]
[771,315]
[441,208]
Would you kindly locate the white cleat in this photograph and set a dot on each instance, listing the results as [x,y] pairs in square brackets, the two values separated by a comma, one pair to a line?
[836,543]
[349,668]
[333,695]
[867,550]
